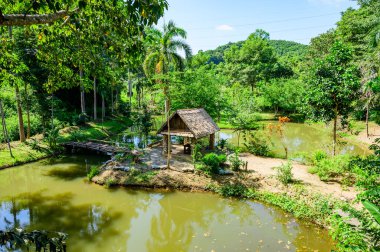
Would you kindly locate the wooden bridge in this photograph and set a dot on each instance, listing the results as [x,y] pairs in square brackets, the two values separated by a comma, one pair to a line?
[100,147]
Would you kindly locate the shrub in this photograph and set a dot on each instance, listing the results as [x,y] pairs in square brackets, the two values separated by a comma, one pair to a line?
[222,143]
[257,145]
[318,156]
[204,168]
[235,161]
[284,173]
[110,182]
[212,160]
[77,136]
[94,171]
[331,167]
[222,159]
[196,154]
[51,136]
[232,190]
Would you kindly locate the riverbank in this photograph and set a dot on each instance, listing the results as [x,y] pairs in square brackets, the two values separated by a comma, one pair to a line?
[327,204]
[36,148]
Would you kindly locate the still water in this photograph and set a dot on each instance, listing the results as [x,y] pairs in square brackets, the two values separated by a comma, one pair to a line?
[298,138]
[54,195]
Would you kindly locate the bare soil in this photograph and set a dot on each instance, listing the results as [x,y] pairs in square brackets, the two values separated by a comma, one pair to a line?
[374,132]
[260,174]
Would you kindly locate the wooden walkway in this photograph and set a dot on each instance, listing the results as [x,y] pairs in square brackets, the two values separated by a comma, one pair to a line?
[103,148]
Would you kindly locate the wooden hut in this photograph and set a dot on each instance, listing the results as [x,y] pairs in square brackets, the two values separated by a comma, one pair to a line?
[191,124]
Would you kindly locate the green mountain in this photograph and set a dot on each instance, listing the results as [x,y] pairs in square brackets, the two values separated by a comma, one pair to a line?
[283,48]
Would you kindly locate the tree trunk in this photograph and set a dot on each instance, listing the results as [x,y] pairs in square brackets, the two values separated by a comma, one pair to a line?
[366,120]
[117,100]
[95,112]
[5,131]
[169,143]
[167,101]
[19,113]
[112,106]
[82,101]
[27,111]
[334,134]
[103,109]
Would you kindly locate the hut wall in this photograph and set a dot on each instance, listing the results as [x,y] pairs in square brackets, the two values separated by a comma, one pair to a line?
[176,123]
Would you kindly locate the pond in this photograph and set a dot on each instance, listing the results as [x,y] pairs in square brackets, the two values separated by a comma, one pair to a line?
[299,138]
[54,195]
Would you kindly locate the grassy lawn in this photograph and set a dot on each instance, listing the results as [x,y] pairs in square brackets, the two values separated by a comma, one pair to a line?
[22,152]
[95,130]
[31,151]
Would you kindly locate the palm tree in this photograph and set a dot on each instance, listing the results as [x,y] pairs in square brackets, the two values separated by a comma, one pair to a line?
[162,54]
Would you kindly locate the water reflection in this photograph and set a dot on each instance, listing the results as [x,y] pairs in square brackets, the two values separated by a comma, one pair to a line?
[300,138]
[51,195]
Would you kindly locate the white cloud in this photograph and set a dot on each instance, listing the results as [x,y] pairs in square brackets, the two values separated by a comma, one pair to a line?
[328,2]
[224,27]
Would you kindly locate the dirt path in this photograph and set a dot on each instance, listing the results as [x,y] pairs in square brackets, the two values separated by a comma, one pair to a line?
[374,132]
[264,167]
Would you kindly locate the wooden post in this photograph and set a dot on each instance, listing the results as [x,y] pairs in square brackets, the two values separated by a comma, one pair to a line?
[212,141]
[193,142]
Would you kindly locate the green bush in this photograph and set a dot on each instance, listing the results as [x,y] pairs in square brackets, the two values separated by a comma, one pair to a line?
[222,159]
[204,168]
[318,156]
[284,173]
[235,161]
[196,154]
[51,137]
[12,126]
[110,182]
[233,190]
[257,145]
[331,167]
[213,161]
[94,171]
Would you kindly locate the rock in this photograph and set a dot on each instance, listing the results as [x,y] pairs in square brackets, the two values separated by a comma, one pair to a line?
[158,167]
[225,172]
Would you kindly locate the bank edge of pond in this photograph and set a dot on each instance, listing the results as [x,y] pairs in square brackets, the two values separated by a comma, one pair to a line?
[27,152]
[294,199]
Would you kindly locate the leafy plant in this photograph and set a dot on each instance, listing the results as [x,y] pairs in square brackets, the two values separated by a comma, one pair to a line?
[373,209]
[284,173]
[257,145]
[222,144]
[196,154]
[52,136]
[232,190]
[235,161]
[110,182]
[94,171]
[331,167]
[214,161]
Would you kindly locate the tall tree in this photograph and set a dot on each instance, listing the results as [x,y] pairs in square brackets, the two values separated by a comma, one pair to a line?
[253,62]
[163,54]
[333,86]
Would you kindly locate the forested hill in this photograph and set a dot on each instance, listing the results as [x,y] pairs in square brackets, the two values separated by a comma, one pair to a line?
[283,48]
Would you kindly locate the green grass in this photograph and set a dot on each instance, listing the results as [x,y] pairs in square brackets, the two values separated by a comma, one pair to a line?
[24,153]
[96,130]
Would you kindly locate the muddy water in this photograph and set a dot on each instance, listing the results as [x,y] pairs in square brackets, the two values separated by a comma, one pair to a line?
[53,195]
[299,138]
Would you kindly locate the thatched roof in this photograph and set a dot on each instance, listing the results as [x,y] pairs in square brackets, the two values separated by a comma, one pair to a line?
[197,123]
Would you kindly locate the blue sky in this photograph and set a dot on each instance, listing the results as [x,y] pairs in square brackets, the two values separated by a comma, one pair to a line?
[210,23]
